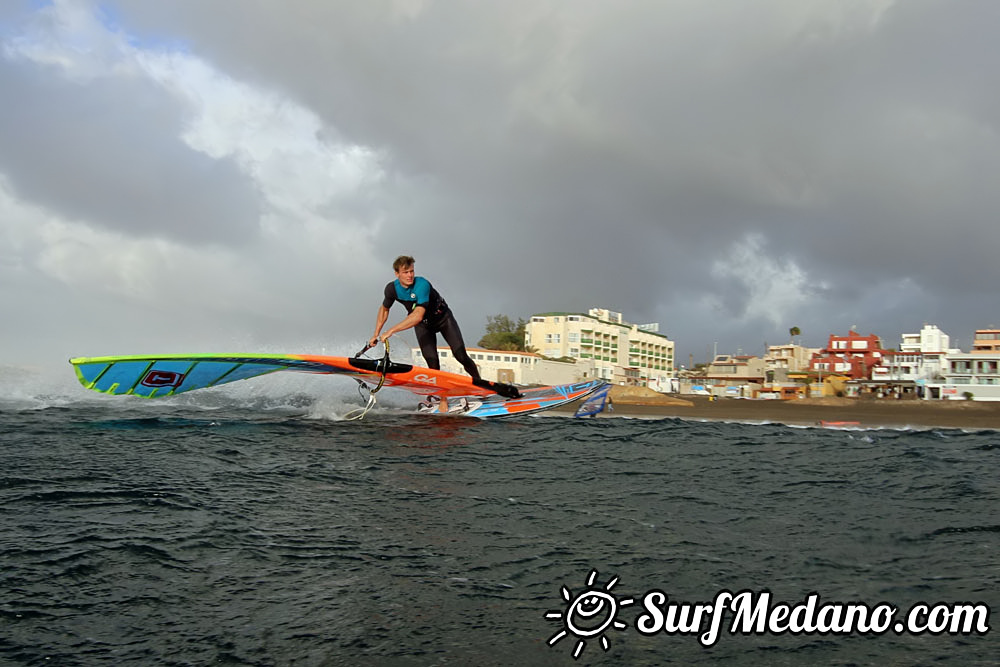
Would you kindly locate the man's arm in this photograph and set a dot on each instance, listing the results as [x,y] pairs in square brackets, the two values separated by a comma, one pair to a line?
[380,318]
[410,321]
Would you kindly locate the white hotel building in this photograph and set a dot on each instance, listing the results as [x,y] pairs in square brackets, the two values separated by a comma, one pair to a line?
[621,353]
[921,359]
[523,368]
[976,373]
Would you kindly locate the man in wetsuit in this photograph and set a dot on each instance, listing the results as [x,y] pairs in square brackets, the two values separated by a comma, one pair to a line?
[428,316]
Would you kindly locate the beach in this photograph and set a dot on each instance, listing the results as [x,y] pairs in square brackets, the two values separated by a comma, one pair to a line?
[850,412]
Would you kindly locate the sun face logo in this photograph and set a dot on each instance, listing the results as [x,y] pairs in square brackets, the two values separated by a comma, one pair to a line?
[589,614]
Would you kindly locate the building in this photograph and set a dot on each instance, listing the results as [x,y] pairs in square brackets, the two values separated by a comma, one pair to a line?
[740,367]
[930,340]
[785,368]
[852,355]
[986,341]
[622,353]
[789,358]
[974,375]
[729,375]
[921,359]
[523,368]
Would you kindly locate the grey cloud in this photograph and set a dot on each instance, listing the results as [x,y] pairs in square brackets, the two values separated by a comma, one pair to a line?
[560,155]
[108,152]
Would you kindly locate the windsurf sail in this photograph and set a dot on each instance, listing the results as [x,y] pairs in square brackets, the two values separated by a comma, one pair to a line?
[595,403]
[156,376]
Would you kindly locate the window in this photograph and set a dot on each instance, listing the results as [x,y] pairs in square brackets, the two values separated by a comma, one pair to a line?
[573,337]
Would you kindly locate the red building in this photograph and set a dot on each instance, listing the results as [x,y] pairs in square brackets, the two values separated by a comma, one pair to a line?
[853,355]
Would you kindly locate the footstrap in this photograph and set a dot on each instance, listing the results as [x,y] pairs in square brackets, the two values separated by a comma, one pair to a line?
[505,390]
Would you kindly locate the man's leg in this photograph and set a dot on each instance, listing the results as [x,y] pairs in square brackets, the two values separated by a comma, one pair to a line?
[453,336]
[427,341]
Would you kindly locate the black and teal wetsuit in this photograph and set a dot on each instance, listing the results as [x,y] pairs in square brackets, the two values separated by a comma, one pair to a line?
[438,318]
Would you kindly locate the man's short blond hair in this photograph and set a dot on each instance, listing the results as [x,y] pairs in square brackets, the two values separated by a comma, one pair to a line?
[402,262]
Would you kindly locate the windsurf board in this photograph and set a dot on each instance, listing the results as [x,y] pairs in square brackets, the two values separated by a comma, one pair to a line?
[156,376]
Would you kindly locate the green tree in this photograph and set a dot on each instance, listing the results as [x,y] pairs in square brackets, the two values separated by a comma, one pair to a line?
[503,333]
[793,332]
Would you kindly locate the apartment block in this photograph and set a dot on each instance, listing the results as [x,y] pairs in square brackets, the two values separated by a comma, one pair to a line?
[921,358]
[852,355]
[788,358]
[976,373]
[621,352]
[986,341]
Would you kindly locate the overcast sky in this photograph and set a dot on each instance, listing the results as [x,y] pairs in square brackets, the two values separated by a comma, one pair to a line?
[193,176]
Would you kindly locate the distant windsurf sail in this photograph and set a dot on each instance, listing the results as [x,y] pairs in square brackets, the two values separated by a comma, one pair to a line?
[595,403]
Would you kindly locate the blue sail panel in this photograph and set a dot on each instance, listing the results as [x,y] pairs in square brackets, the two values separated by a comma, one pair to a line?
[159,378]
[151,377]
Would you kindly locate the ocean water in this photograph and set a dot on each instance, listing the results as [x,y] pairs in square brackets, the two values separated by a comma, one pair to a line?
[233,529]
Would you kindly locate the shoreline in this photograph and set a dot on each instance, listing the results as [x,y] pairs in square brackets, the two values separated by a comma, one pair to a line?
[849,412]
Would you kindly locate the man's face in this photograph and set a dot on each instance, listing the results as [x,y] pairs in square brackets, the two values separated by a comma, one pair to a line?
[405,276]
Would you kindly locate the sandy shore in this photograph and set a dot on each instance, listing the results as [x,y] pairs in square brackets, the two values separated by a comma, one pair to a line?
[863,413]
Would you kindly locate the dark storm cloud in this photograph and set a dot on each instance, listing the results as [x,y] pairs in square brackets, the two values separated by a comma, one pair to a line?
[560,155]
[108,152]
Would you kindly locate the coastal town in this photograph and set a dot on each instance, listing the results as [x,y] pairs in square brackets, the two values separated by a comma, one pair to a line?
[564,347]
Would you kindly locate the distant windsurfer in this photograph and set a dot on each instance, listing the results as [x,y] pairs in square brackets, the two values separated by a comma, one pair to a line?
[428,315]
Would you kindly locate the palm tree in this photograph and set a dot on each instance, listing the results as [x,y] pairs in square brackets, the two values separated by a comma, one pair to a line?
[793,332]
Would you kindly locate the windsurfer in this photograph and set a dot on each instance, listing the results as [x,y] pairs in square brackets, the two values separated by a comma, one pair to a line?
[428,315]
